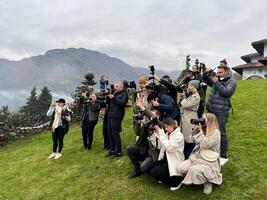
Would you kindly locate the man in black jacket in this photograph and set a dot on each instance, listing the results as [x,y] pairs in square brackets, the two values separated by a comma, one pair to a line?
[116,112]
[223,87]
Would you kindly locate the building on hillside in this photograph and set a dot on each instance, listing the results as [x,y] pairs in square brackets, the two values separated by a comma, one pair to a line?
[256,63]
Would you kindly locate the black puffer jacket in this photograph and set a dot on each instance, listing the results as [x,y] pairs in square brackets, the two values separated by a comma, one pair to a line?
[91,110]
[117,105]
[221,93]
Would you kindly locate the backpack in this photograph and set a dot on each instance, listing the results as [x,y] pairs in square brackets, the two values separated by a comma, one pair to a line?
[65,126]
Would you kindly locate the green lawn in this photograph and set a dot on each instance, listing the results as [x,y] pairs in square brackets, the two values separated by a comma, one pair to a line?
[25,172]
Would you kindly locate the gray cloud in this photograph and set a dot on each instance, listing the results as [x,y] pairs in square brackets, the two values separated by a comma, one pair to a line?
[139,32]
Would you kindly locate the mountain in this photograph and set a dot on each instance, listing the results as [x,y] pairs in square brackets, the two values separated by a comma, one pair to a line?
[61,70]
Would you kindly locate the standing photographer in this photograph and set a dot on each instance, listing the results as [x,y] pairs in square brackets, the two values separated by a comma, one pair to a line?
[116,112]
[223,87]
[59,124]
[189,108]
[89,120]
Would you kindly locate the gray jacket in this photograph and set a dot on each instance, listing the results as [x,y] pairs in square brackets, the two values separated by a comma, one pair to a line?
[221,93]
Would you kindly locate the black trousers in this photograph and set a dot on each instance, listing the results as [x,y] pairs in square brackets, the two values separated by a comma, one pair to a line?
[105,132]
[222,120]
[136,156]
[188,148]
[161,172]
[88,133]
[58,137]
[114,135]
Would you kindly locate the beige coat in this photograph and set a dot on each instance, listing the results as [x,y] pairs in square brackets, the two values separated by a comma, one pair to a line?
[189,107]
[173,145]
[198,170]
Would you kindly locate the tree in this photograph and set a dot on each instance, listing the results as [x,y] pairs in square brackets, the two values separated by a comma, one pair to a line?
[4,113]
[31,106]
[44,100]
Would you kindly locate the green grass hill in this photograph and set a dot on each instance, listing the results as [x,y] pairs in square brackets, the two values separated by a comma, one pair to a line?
[25,172]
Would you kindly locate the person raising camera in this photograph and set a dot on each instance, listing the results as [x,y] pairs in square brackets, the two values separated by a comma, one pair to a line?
[203,167]
[91,109]
[189,107]
[117,104]
[223,88]
[59,124]
[171,153]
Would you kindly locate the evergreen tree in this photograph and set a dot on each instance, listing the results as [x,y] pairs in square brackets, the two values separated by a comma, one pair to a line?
[44,100]
[4,113]
[31,105]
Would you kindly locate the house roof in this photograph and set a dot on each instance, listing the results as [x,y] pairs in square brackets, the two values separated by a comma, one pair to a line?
[263,60]
[259,45]
[239,68]
[247,58]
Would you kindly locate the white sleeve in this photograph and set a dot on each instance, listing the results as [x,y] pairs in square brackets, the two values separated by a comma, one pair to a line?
[50,111]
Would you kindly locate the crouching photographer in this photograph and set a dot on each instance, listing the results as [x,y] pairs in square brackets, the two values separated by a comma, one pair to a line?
[91,108]
[171,154]
[145,151]
[203,167]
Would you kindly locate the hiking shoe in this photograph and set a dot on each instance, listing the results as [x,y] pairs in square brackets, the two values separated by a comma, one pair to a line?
[134,174]
[223,161]
[52,155]
[58,155]
[116,155]
[207,188]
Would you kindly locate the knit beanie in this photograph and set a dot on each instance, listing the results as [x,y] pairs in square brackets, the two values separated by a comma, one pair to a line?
[195,83]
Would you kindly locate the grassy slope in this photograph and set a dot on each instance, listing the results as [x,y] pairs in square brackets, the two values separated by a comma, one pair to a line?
[25,172]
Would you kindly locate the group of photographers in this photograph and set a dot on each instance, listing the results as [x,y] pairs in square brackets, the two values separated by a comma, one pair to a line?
[176,143]
[114,103]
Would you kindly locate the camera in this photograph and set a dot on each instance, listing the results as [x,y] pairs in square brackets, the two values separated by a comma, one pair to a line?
[138,116]
[211,73]
[152,69]
[198,121]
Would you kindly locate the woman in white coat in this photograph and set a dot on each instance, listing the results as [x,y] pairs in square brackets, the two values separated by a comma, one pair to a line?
[203,165]
[171,154]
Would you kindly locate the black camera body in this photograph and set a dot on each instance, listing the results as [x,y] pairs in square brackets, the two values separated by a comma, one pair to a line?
[211,73]
[198,121]
[152,69]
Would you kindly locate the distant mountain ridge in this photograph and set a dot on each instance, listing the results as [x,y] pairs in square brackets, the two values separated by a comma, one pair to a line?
[61,70]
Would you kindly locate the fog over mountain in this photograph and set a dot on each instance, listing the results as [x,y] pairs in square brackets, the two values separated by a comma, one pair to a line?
[61,70]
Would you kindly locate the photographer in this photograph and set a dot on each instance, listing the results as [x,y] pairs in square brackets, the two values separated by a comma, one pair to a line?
[171,154]
[103,83]
[223,87]
[167,85]
[142,153]
[59,124]
[189,106]
[117,104]
[91,108]
[165,104]
[203,165]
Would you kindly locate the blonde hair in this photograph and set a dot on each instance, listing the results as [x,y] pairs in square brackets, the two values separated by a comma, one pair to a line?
[194,90]
[212,123]
[142,80]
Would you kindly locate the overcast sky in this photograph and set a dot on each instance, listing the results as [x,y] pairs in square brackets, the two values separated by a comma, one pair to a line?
[140,32]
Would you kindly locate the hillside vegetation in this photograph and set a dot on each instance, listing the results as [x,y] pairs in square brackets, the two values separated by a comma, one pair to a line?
[25,172]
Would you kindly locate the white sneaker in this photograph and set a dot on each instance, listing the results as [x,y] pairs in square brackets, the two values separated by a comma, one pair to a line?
[52,155]
[176,188]
[223,161]
[207,188]
[58,155]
